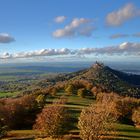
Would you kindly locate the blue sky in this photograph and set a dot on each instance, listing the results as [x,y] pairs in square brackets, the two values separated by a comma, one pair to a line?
[100,27]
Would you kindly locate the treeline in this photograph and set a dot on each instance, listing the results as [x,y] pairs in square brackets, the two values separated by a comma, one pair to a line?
[32,112]
[19,113]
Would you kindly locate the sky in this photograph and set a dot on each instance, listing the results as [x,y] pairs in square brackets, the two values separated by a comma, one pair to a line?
[52,30]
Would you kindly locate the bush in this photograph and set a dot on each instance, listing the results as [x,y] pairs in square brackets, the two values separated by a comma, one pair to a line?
[52,119]
[136,117]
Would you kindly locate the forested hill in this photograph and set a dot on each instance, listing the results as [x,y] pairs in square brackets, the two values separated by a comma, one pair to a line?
[129,78]
[103,78]
[111,80]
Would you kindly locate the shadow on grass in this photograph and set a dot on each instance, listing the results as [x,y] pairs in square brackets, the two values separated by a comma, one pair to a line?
[121,135]
[73,119]
[74,111]
[129,130]
[70,103]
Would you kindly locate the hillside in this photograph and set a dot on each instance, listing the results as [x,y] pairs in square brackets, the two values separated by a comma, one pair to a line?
[98,75]
[102,77]
[111,80]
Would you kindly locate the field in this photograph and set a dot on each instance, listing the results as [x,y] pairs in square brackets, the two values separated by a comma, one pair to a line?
[75,105]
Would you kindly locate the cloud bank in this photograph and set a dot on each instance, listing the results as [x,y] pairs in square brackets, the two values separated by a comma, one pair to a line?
[126,48]
[78,26]
[6,38]
[123,14]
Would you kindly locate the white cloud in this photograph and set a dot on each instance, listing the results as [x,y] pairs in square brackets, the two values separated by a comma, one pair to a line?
[125,13]
[78,26]
[60,19]
[6,55]
[126,48]
[6,38]
[43,52]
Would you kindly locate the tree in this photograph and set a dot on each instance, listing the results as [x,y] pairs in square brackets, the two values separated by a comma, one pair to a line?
[53,91]
[136,117]
[52,120]
[96,121]
[20,112]
[69,89]
[95,91]
[123,106]
[81,92]
[40,99]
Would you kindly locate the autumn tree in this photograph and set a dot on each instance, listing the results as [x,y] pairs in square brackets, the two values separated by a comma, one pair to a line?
[123,106]
[95,90]
[40,99]
[81,92]
[20,112]
[53,91]
[69,89]
[52,119]
[97,120]
[136,117]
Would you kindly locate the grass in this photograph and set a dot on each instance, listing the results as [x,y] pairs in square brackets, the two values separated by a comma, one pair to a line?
[8,94]
[128,132]
[75,105]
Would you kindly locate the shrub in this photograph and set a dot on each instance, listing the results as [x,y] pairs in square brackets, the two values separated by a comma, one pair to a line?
[136,117]
[52,119]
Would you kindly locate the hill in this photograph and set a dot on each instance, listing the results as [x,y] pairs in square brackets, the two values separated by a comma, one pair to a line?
[102,77]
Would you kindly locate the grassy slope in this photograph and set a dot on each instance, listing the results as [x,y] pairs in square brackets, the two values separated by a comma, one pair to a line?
[75,104]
